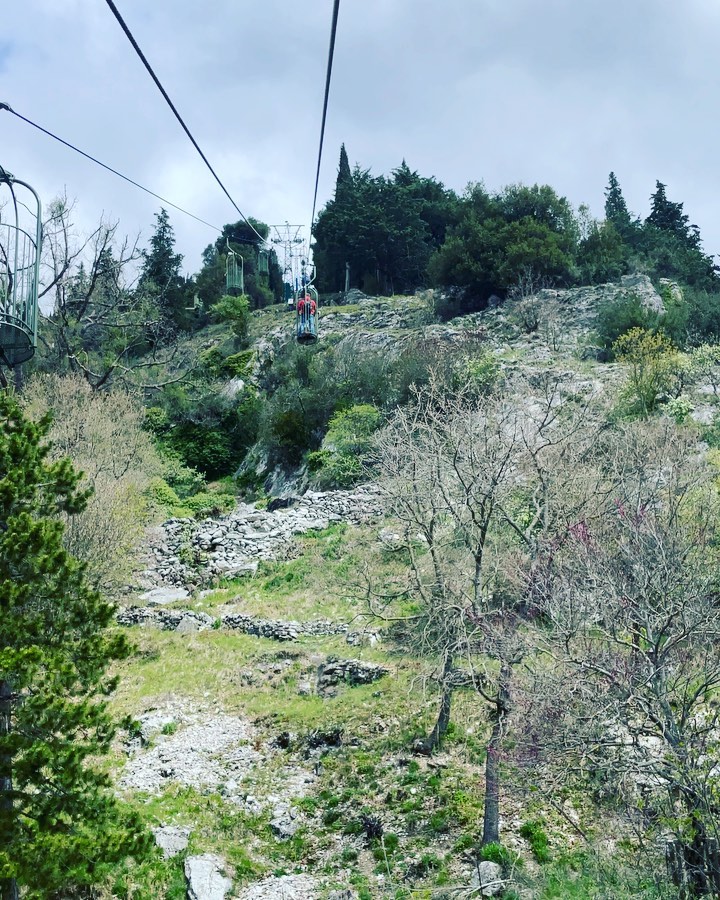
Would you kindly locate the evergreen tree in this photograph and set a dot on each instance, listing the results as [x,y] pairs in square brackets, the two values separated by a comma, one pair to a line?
[344,176]
[161,272]
[616,211]
[60,825]
[669,217]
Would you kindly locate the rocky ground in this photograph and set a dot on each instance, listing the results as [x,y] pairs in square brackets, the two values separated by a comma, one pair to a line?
[267,747]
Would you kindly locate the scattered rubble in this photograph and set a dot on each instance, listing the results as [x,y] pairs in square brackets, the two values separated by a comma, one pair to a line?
[187,552]
[284,887]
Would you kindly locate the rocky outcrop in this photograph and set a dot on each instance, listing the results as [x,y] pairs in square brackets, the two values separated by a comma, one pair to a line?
[172,839]
[488,879]
[205,878]
[186,552]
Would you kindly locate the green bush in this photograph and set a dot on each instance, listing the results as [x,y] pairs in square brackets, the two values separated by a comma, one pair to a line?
[534,834]
[164,497]
[620,315]
[236,312]
[209,504]
[496,853]
[339,462]
[238,365]
[654,369]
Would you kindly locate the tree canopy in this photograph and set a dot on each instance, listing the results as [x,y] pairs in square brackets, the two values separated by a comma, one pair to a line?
[60,823]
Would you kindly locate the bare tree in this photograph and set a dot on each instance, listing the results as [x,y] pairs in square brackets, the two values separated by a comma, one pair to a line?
[466,480]
[633,600]
[95,319]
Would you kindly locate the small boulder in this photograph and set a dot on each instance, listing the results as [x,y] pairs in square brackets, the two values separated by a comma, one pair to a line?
[488,879]
[205,878]
[171,839]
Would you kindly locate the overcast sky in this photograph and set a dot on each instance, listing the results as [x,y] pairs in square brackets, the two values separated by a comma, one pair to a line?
[501,91]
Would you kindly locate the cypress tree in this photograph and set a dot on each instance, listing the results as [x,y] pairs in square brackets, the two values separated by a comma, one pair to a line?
[344,176]
[60,824]
[616,211]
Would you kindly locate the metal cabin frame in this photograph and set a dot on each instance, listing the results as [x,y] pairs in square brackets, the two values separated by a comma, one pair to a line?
[20,245]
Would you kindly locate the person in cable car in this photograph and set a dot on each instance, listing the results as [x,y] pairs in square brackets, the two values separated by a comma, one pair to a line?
[312,310]
[301,308]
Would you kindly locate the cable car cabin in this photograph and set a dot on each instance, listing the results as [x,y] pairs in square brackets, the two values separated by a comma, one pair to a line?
[306,315]
[20,242]
[234,274]
[263,264]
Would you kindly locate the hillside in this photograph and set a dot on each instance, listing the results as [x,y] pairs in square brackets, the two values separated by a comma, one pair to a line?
[276,744]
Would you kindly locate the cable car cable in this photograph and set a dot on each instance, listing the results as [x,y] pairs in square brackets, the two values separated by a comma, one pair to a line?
[331,51]
[5,106]
[187,131]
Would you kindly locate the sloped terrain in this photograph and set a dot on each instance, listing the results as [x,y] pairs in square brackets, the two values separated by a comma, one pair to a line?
[273,720]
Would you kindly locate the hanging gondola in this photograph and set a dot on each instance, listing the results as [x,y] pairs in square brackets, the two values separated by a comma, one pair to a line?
[234,275]
[20,243]
[306,315]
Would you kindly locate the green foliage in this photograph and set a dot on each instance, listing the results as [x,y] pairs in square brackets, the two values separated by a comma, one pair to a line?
[209,432]
[236,312]
[534,833]
[620,315]
[617,214]
[339,462]
[384,228]
[499,238]
[238,365]
[161,276]
[654,369]
[60,825]
[209,504]
[679,408]
[501,855]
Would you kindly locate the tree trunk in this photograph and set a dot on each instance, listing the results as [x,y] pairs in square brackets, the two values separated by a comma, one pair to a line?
[443,720]
[491,819]
[8,886]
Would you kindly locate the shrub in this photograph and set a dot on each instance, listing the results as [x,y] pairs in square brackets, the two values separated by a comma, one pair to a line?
[238,365]
[236,312]
[496,853]
[535,835]
[103,435]
[209,504]
[339,462]
[620,315]
[655,369]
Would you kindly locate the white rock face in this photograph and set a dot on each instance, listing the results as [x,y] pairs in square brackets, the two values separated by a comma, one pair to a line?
[195,756]
[205,878]
[286,887]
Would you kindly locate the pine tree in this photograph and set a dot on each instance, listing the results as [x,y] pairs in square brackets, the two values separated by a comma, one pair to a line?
[161,272]
[616,211]
[669,217]
[60,825]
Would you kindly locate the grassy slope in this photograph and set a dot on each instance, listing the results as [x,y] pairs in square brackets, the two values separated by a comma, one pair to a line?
[431,812]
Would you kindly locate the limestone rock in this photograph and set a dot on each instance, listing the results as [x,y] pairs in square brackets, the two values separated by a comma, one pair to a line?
[162,595]
[205,878]
[285,887]
[488,879]
[171,839]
